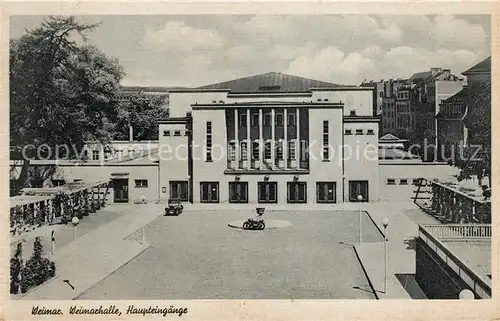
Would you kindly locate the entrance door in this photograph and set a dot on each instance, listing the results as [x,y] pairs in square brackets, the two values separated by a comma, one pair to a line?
[358,188]
[179,190]
[120,188]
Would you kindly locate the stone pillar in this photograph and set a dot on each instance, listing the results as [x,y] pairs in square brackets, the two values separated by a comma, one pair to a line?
[285,139]
[261,140]
[249,142]
[236,140]
[297,145]
[273,140]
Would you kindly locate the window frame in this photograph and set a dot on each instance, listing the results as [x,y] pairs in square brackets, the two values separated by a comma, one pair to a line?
[209,184]
[390,181]
[403,181]
[243,120]
[236,183]
[177,184]
[297,186]
[138,183]
[264,201]
[96,155]
[291,116]
[325,185]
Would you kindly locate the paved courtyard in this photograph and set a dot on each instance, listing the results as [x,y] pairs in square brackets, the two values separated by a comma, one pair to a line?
[197,256]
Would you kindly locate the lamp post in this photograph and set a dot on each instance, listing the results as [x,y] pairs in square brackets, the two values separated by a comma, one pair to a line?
[75,222]
[360,198]
[385,223]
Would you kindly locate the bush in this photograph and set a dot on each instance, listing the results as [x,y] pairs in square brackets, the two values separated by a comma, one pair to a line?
[37,269]
[15,269]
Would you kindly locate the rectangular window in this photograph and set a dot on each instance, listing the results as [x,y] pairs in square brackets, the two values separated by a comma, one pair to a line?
[279,119]
[95,155]
[232,151]
[416,181]
[279,150]
[244,151]
[403,181]
[348,131]
[326,147]
[326,192]
[209,192]
[391,181]
[179,190]
[166,133]
[238,192]
[370,132]
[268,192]
[267,150]
[359,132]
[358,189]
[256,150]
[243,120]
[177,133]
[267,119]
[297,192]
[209,141]
[291,150]
[141,183]
[291,119]
[255,120]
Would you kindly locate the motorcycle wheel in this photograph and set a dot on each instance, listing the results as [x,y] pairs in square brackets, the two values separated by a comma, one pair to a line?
[262,225]
[245,226]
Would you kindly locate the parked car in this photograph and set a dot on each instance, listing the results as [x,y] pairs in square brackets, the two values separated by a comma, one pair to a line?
[174,207]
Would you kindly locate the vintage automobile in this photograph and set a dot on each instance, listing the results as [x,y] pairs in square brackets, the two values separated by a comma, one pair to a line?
[174,207]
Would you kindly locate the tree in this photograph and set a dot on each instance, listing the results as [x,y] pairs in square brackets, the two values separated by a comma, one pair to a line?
[142,113]
[62,93]
[475,158]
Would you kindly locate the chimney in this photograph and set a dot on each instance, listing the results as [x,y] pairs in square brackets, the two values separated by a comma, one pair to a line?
[130,133]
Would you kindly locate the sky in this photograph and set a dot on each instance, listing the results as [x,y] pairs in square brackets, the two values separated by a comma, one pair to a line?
[196,50]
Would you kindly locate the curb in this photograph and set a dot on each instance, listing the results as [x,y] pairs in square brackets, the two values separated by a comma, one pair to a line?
[366,274]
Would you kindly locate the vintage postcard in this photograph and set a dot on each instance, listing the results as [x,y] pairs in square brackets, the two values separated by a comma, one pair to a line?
[250,161]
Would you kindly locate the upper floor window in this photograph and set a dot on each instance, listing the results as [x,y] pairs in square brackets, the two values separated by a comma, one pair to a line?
[291,150]
[95,154]
[177,133]
[166,133]
[359,132]
[244,151]
[267,119]
[279,150]
[209,141]
[243,120]
[348,131]
[232,151]
[141,183]
[370,132]
[291,119]
[255,119]
[279,119]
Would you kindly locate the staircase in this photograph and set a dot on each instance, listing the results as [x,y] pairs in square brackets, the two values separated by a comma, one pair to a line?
[423,199]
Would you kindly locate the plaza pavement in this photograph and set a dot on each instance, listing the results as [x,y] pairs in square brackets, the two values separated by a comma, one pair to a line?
[96,254]
[198,256]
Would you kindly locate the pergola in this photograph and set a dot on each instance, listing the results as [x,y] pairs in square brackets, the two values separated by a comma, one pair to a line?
[47,205]
[458,204]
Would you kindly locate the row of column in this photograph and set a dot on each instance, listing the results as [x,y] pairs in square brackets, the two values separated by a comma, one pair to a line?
[273,140]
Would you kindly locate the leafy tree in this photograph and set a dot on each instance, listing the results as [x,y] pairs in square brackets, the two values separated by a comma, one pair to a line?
[37,269]
[62,92]
[475,159]
[142,113]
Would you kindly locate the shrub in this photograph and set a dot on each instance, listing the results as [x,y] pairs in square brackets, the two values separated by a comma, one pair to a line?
[15,270]
[37,269]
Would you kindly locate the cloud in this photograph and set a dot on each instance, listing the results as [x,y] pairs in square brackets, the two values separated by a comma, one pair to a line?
[457,33]
[331,64]
[178,36]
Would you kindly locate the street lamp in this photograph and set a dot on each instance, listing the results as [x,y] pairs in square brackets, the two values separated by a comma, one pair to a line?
[75,222]
[385,223]
[360,198]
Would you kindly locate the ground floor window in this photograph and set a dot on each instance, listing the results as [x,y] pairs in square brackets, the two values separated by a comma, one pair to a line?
[268,192]
[357,188]
[297,192]
[141,183]
[179,190]
[238,192]
[326,192]
[209,192]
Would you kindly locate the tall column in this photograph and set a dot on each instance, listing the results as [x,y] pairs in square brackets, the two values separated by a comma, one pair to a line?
[249,142]
[297,146]
[285,135]
[261,141]
[236,140]
[273,142]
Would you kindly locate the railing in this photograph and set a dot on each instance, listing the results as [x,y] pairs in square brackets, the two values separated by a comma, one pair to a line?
[479,284]
[460,231]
